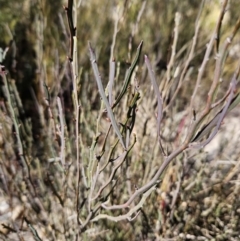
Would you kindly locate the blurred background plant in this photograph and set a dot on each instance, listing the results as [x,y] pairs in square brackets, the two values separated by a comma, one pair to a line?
[64,162]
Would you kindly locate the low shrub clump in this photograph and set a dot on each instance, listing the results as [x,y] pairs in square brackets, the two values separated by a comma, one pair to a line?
[129,137]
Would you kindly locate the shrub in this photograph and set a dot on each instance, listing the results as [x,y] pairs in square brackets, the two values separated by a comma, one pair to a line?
[92,146]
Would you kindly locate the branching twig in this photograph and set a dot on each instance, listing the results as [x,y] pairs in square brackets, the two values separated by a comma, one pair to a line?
[190,56]
[159,101]
[119,161]
[152,182]
[217,120]
[192,129]
[129,214]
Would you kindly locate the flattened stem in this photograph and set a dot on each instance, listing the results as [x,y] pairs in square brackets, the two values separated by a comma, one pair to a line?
[129,75]
[103,96]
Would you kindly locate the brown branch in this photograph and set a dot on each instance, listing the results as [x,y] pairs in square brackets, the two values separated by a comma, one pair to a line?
[152,182]
[72,29]
[219,25]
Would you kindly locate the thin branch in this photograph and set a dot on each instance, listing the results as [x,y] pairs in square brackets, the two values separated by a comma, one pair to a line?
[21,151]
[159,101]
[192,129]
[140,13]
[219,63]
[152,182]
[219,25]
[129,214]
[129,75]
[104,98]
[119,14]
[72,29]
[174,45]
[215,83]
[218,119]
[62,155]
[120,161]
[33,230]
[190,56]
[111,81]
[176,194]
